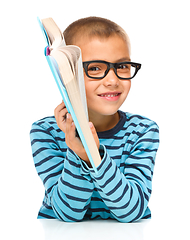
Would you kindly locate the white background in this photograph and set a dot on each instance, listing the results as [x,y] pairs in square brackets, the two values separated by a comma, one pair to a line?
[160,38]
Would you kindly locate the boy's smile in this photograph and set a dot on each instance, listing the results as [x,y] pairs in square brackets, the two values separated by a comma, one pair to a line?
[110,96]
[105,96]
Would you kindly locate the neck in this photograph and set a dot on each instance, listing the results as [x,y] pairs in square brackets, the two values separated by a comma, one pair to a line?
[103,123]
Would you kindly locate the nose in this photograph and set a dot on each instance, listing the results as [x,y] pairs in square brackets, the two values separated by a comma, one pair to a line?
[111,79]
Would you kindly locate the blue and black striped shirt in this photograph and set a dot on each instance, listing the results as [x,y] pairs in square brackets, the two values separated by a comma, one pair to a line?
[122,187]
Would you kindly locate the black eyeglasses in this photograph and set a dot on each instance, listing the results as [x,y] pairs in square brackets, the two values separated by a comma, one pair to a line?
[99,69]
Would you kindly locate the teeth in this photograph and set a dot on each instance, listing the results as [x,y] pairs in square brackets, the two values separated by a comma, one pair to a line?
[109,95]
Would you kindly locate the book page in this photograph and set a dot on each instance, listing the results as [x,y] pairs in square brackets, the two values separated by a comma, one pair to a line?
[81,84]
[55,35]
[73,54]
[56,40]
[78,115]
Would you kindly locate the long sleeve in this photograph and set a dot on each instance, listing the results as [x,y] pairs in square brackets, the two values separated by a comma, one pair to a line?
[68,188]
[120,189]
[126,193]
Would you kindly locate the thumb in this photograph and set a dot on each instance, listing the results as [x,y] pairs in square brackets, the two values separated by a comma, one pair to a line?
[94,133]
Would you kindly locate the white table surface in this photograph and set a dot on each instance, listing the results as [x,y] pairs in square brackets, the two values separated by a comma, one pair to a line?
[98,229]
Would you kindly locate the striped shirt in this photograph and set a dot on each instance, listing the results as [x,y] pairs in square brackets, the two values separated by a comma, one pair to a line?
[120,189]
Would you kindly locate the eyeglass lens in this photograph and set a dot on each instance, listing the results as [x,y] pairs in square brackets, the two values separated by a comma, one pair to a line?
[124,70]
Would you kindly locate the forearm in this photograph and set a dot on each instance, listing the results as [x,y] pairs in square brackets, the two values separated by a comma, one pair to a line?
[125,196]
[71,196]
[68,188]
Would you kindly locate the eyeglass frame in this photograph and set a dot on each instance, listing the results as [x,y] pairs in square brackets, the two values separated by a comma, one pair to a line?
[109,66]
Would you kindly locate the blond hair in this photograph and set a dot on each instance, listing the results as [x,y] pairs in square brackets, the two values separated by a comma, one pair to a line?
[93,27]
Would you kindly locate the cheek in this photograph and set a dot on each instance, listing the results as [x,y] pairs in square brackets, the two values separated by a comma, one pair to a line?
[91,86]
[90,90]
[128,83]
[127,86]
[87,87]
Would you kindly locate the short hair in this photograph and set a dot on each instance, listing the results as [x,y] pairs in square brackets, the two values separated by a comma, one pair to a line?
[93,27]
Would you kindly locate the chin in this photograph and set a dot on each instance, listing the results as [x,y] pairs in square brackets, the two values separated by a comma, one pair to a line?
[109,112]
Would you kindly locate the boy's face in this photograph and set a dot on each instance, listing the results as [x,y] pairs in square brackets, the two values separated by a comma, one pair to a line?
[105,96]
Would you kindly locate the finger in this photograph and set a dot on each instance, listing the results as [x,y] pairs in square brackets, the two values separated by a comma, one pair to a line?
[60,112]
[59,108]
[70,130]
[68,123]
[94,133]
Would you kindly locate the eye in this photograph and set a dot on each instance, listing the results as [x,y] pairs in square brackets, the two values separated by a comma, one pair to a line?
[93,69]
[123,66]
[96,66]
[96,69]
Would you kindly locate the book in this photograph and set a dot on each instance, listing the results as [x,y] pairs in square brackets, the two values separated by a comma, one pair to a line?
[65,62]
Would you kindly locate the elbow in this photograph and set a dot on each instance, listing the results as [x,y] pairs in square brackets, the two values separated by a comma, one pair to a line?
[67,216]
[132,213]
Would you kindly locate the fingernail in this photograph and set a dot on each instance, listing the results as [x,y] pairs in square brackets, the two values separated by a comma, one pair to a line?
[90,125]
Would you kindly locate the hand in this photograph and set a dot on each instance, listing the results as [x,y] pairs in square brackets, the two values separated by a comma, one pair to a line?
[66,124]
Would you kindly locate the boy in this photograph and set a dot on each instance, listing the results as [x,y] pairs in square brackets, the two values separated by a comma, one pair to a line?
[127,143]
